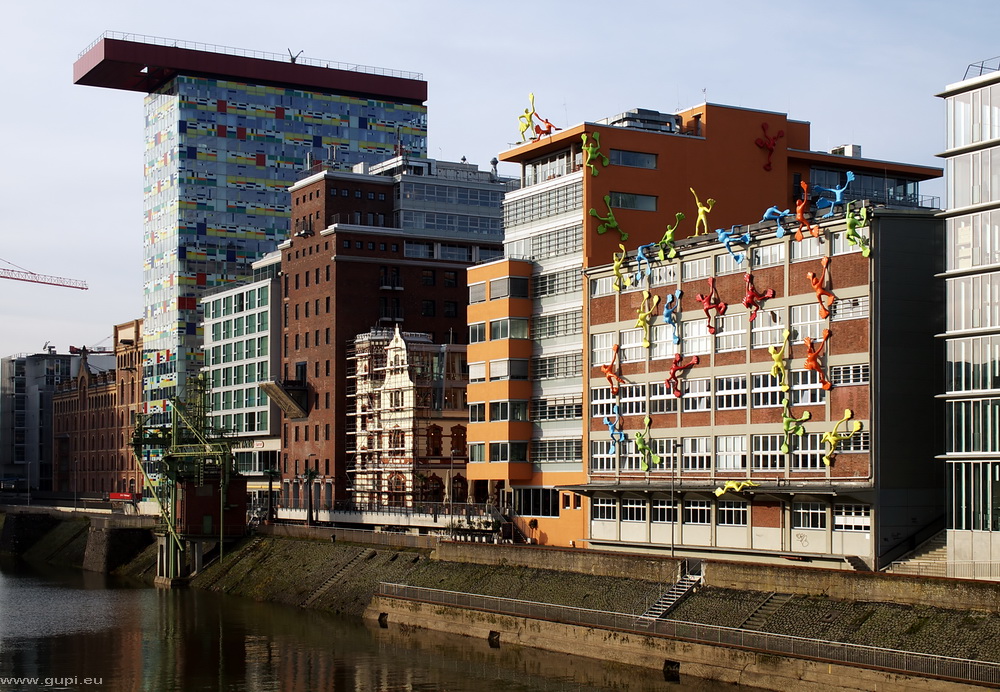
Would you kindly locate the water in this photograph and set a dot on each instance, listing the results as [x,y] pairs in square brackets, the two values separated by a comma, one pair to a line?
[80,631]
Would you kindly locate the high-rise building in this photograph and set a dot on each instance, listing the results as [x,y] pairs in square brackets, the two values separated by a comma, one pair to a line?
[591,195]
[972,329]
[227,131]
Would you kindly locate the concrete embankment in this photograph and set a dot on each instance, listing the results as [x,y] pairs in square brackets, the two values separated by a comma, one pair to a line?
[311,571]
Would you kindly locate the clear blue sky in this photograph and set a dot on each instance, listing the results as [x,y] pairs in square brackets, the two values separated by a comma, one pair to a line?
[860,72]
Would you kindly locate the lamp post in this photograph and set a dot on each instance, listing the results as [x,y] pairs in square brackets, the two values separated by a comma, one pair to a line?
[76,482]
[271,474]
[310,476]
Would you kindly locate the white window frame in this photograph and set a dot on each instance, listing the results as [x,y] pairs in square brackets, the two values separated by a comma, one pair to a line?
[477,372]
[807,452]
[768,255]
[849,375]
[840,246]
[767,330]
[766,391]
[726,264]
[766,452]
[601,458]
[692,270]
[697,395]
[663,511]
[731,393]
[661,398]
[730,333]
[632,350]
[731,513]
[632,399]
[857,308]
[663,345]
[601,402]
[858,443]
[807,390]
[852,517]
[697,512]
[602,348]
[731,453]
[695,339]
[604,509]
[808,515]
[696,454]
[632,509]
[629,458]
[805,321]
[808,248]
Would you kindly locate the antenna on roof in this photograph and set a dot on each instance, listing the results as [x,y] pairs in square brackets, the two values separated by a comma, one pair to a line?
[293,57]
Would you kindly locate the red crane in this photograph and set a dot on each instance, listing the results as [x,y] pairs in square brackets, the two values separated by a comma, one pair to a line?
[21,274]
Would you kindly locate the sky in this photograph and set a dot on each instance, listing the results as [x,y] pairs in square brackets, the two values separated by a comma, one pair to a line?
[71,195]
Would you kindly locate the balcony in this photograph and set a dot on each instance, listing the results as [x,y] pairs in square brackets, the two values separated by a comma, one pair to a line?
[291,396]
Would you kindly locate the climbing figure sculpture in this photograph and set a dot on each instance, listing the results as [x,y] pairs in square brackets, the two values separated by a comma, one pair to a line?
[621,279]
[701,224]
[645,312]
[711,301]
[835,437]
[610,223]
[768,143]
[779,370]
[667,241]
[790,425]
[727,238]
[671,304]
[838,196]
[775,214]
[676,369]
[752,298]
[801,207]
[734,486]
[614,428]
[817,285]
[527,119]
[592,153]
[854,221]
[613,378]
[642,446]
[812,358]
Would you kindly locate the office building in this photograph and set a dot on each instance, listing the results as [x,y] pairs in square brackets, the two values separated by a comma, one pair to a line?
[972,330]
[591,195]
[227,131]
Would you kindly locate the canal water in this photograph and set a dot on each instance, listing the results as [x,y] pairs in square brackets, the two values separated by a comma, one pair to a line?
[72,630]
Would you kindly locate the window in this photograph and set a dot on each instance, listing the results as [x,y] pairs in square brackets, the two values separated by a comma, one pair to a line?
[477,372]
[806,322]
[536,502]
[697,512]
[477,413]
[859,442]
[696,269]
[768,329]
[730,453]
[628,200]
[807,452]
[849,309]
[698,395]
[807,389]
[508,410]
[767,452]
[477,333]
[695,455]
[427,277]
[633,159]
[477,293]
[840,246]
[558,324]
[509,287]
[851,517]
[564,365]
[601,456]
[413,248]
[663,345]
[450,308]
[731,513]
[633,509]
[603,286]
[809,248]
[556,451]
[477,452]
[767,391]
[846,375]
[730,333]
[450,279]
[509,451]
[632,350]
[730,393]
[601,348]
[604,509]
[768,256]
[509,328]
[509,369]
[808,515]
[632,398]
[661,399]
[556,283]
[561,408]
[726,264]
[427,308]
[663,512]
[695,339]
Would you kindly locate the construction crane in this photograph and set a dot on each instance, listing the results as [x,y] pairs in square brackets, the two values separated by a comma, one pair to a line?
[22,274]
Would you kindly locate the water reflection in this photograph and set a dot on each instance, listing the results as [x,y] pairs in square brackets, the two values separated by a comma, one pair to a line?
[70,626]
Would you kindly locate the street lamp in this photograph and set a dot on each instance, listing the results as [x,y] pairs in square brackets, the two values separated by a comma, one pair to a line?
[76,482]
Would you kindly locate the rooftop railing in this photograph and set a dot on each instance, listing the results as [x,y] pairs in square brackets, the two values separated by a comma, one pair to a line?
[259,55]
[977,69]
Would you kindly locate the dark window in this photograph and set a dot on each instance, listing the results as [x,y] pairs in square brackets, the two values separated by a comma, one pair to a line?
[450,308]
[427,308]
[427,277]
[451,278]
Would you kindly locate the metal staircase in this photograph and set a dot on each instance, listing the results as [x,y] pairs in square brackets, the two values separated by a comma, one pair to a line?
[766,609]
[325,586]
[665,603]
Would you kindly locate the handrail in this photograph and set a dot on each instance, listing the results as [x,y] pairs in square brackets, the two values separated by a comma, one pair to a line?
[905,662]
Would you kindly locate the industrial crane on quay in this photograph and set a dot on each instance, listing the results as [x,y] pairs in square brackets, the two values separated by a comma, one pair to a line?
[21,274]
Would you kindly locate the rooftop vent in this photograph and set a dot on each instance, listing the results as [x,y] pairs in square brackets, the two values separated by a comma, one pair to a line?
[853,150]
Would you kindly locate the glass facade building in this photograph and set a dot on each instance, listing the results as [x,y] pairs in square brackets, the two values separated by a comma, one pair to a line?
[972,285]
